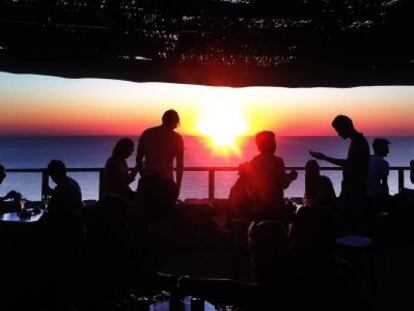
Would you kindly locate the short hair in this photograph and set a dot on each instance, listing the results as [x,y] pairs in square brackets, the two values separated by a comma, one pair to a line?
[170,116]
[379,144]
[342,120]
[122,146]
[263,136]
[56,167]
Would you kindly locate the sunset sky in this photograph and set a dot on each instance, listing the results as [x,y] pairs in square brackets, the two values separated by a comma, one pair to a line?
[31,104]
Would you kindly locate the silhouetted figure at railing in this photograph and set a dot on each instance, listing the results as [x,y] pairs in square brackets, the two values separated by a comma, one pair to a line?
[379,169]
[63,236]
[378,198]
[319,190]
[117,176]
[9,202]
[67,195]
[355,169]
[262,181]
[158,147]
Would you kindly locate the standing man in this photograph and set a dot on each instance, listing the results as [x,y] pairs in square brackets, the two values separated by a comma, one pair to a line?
[379,169]
[158,147]
[355,168]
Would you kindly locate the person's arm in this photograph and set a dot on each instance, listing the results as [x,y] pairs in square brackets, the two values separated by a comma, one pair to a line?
[287,178]
[133,174]
[140,155]
[180,164]
[384,184]
[321,156]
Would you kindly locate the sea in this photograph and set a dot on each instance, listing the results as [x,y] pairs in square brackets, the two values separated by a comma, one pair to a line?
[93,151]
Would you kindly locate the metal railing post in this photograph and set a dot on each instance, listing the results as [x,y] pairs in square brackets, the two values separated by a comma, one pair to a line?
[211,184]
[400,179]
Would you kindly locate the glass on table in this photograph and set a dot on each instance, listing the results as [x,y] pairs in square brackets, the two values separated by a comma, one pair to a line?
[23,202]
[45,201]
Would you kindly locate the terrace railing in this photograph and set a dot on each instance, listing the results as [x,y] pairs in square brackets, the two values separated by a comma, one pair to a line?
[211,174]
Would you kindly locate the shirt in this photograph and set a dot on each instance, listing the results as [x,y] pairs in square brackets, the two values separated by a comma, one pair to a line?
[116,177]
[378,169]
[66,196]
[355,171]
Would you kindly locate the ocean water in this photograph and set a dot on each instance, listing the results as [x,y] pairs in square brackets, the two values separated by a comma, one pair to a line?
[92,152]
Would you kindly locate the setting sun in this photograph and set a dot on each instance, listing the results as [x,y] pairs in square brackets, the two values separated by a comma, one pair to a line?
[222,120]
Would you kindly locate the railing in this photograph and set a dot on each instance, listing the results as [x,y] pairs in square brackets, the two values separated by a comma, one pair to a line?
[211,175]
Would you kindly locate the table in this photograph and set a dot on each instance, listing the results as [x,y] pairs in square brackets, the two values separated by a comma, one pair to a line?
[14,217]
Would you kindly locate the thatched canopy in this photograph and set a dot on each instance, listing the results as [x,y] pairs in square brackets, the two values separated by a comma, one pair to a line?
[213,42]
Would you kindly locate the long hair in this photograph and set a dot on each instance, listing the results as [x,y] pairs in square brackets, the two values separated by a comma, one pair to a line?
[311,175]
[122,147]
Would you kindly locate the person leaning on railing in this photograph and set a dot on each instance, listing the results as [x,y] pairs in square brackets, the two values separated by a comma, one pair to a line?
[158,148]
[117,176]
[262,182]
[5,203]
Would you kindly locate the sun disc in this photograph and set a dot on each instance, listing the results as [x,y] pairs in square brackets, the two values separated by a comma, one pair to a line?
[222,122]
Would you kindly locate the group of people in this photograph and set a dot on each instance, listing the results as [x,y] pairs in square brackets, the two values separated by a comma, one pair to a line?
[280,245]
[258,193]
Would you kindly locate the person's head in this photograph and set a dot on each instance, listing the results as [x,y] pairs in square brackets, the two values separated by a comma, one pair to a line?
[2,173]
[312,168]
[123,148]
[343,126]
[381,147]
[265,142]
[56,170]
[170,119]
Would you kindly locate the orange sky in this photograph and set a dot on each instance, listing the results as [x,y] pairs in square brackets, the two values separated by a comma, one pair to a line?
[32,104]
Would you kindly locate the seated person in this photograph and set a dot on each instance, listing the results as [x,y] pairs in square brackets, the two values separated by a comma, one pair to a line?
[67,196]
[319,190]
[117,177]
[5,204]
[262,181]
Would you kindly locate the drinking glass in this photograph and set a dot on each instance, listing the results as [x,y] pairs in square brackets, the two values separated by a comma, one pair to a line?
[45,201]
[22,204]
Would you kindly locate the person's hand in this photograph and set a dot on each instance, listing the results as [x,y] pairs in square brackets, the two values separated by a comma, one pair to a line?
[317,155]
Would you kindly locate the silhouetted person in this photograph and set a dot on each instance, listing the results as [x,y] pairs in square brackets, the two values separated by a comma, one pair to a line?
[66,196]
[355,168]
[319,190]
[264,178]
[6,206]
[379,169]
[268,245]
[158,147]
[63,234]
[117,176]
